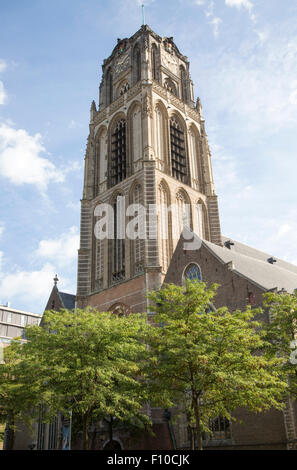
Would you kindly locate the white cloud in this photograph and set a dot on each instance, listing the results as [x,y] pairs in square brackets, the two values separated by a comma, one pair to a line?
[215,22]
[3,94]
[3,65]
[61,251]
[1,229]
[240,3]
[73,124]
[258,85]
[21,161]
[27,285]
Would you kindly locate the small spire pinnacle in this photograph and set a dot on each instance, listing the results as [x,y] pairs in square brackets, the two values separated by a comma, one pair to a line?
[56,280]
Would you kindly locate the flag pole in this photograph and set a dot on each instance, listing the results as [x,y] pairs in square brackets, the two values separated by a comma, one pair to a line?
[143,16]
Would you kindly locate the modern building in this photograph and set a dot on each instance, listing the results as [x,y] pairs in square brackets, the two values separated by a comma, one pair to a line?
[12,325]
[13,322]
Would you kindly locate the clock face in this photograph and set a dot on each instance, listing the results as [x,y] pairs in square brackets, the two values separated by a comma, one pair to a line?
[122,63]
[170,62]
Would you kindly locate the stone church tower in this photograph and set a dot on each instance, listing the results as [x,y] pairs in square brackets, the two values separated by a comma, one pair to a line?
[147,142]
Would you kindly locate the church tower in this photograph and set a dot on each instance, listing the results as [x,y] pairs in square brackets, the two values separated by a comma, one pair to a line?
[147,145]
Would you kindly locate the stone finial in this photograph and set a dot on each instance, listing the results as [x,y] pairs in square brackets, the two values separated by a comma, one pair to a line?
[56,280]
[93,110]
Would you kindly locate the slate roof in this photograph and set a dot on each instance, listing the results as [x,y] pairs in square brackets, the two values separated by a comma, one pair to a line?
[68,300]
[253,265]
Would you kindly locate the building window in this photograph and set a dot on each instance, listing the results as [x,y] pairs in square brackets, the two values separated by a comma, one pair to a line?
[154,62]
[118,153]
[137,245]
[163,202]
[53,435]
[200,220]
[184,94]
[136,64]
[109,94]
[117,254]
[220,429]
[183,216]
[193,272]
[178,153]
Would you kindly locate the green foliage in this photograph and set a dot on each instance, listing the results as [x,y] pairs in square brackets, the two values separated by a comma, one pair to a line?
[84,361]
[281,332]
[211,357]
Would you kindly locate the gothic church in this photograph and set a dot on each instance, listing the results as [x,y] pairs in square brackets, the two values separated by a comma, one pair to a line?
[148,143]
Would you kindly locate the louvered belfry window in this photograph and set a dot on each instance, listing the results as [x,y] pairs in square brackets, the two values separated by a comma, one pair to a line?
[178,154]
[118,153]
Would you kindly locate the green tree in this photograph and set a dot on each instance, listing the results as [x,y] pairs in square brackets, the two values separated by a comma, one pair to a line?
[282,333]
[209,360]
[18,393]
[87,362]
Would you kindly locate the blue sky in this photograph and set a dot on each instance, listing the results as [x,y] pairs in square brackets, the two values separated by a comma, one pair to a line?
[243,56]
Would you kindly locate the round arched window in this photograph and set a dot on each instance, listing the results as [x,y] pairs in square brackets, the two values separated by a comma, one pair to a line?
[192,272]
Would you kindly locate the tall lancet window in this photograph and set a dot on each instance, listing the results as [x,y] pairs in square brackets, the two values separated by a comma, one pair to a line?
[183,80]
[159,138]
[118,153]
[137,244]
[154,62]
[178,152]
[200,217]
[136,64]
[108,88]
[183,212]
[136,134]
[102,157]
[164,229]
[193,157]
[117,244]
[99,264]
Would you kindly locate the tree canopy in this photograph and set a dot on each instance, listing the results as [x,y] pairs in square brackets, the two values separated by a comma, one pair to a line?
[210,359]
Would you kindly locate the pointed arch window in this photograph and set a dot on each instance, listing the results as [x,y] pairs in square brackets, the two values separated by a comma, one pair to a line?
[183,212]
[99,264]
[138,243]
[109,90]
[154,62]
[117,244]
[200,228]
[183,80]
[164,232]
[193,272]
[178,152]
[136,64]
[118,153]
[159,138]
[136,133]
[101,159]
[193,157]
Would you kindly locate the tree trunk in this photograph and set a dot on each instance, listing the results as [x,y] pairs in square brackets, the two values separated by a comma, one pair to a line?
[85,431]
[192,438]
[197,421]
[9,435]
[111,429]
